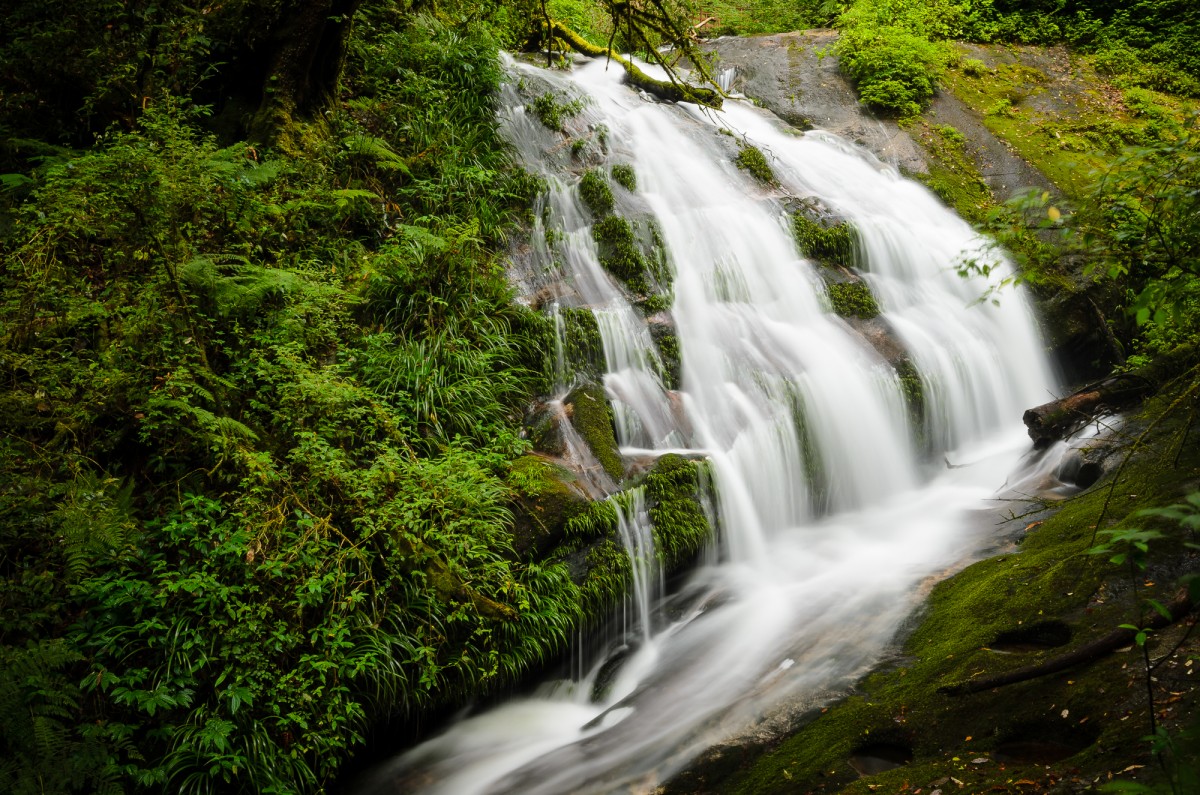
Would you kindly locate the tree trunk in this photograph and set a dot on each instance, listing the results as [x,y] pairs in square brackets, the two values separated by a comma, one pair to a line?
[304,60]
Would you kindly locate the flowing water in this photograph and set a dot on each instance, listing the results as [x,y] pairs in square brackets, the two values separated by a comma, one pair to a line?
[834,509]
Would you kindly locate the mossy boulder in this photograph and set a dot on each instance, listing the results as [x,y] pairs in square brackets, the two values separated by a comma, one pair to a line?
[592,418]
[681,527]
[619,251]
[583,348]
[667,341]
[543,504]
[853,299]
[827,241]
[596,192]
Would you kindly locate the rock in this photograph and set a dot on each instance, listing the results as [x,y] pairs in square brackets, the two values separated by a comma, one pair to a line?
[796,76]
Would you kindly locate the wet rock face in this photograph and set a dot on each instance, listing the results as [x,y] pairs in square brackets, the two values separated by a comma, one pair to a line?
[796,76]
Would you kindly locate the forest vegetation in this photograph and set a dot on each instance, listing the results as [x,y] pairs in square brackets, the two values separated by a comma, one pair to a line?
[263,463]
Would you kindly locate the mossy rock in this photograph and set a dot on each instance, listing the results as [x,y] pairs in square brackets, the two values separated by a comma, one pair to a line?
[853,299]
[667,341]
[828,243]
[583,346]
[752,159]
[619,251]
[553,113]
[681,527]
[596,192]
[593,419]
[624,175]
[543,505]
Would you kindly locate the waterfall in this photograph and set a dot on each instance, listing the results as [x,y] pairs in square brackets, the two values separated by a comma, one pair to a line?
[834,505]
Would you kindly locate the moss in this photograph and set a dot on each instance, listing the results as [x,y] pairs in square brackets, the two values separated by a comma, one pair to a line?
[552,113]
[668,351]
[596,193]
[592,418]
[952,176]
[673,494]
[831,245]
[583,346]
[913,387]
[543,506]
[607,578]
[655,303]
[751,159]
[1072,143]
[619,252]
[1099,708]
[623,174]
[853,299]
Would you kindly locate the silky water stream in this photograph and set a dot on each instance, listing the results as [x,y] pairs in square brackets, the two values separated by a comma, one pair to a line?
[833,509]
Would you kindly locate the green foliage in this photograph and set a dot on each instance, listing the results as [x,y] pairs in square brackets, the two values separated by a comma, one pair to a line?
[619,251]
[853,299]
[592,418]
[1138,225]
[834,244]
[623,174]
[261,411]
[681,527]
[750,158]
[596,193]
[553,113]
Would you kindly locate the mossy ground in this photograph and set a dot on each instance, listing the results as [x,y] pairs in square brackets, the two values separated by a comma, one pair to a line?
[1047,575]
[1056,110]
[952,175]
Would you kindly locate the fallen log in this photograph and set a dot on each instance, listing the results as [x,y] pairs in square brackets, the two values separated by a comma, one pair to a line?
[1086,653]
[1060,418]
[668,90]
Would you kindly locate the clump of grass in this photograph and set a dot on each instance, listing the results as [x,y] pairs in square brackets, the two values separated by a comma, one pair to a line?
[753,160]
[623,174]
[596,193]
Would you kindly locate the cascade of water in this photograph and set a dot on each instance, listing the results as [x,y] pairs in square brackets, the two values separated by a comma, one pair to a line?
[829,519]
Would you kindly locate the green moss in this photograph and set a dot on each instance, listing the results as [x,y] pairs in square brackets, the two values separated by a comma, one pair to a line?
[552,113]
[668,351]
[623,174]
[656,302]
[543,506]
[952,176]
[619,252]
[592,418]
[914,397]
[607,578]
[853,299]
[584,349]
[751,159]
[1050,577]
[596,193]
[831,245]
[673,494]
